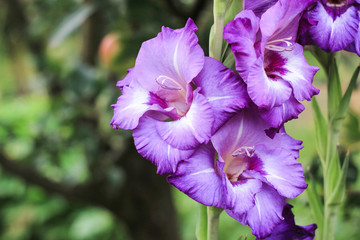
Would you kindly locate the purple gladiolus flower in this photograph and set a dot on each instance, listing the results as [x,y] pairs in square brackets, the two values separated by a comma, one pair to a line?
[287,229]
[335,25]
[253,175]
[175,97]
[269,60]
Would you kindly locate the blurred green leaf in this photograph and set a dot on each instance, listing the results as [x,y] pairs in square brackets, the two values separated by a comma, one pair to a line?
[90,223]
[70,24]
[350,133]
[320,130]
[315,202]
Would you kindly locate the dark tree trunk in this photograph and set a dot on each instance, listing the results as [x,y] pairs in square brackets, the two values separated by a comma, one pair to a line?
[145,201]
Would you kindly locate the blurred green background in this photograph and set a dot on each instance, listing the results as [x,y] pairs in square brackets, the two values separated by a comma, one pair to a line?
[64,172]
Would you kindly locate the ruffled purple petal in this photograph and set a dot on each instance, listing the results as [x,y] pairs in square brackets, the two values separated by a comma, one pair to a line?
[241,34]
[285,141]
[152,147]
[276,116]
[335,29]
[288,230]
[174,54]
[198,179]
[282,170]
[266,92]
[299,73]
[224,90]
[192,129]
[130,106]
[126,81]
[265,215]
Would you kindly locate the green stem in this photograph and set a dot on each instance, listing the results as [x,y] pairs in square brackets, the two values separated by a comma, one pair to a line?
[213,222]
[201,226]
[216,48]
[334,175]
[330,222]
[331,175]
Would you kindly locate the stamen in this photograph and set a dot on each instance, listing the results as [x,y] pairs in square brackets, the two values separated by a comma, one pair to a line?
[248,151]
[168,83]
[289,45]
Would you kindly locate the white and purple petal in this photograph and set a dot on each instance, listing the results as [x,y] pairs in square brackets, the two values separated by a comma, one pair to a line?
[299,73]
[264,89]
[151,146]
[131,106]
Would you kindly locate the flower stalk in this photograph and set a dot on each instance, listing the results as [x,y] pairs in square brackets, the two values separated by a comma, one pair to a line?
[213,222]
[201,226]
[216,41]
[327,146]
[216,51]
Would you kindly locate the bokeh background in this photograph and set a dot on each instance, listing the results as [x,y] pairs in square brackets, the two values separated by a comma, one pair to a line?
[65,174]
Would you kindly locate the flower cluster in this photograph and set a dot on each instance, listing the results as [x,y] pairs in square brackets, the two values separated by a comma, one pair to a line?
[219,133]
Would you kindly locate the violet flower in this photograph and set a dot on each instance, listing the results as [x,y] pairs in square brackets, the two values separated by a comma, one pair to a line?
[169,118]
[287,229]
[269,60]
[335,25]
[253,176]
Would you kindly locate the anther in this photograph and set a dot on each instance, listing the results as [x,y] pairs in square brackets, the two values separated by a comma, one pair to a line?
[248,151]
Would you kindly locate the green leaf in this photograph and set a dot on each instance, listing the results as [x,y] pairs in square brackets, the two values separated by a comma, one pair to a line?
[321,56]
[315,202]
[320,130]
[201,225]
[70,24]
[350,133]
[343,107]
[338,193]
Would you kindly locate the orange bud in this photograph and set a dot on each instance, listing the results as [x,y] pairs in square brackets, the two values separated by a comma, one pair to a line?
[109,48]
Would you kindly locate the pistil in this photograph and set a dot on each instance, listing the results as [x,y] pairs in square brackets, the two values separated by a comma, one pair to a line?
[168,83]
